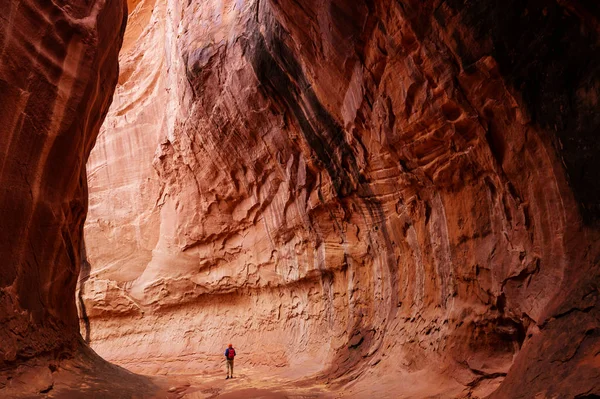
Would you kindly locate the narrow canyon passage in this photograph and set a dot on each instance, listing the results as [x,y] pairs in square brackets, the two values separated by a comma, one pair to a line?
[368,198]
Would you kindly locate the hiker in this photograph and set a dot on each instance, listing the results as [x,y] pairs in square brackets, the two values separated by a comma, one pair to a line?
[229,355]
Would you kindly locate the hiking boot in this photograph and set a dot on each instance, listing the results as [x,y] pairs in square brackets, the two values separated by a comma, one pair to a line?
[227,377]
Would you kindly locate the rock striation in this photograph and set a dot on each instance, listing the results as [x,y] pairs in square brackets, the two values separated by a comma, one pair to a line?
[50,116]
[58,70]
[390,191]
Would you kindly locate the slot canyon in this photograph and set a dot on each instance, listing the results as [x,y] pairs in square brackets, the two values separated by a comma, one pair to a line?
[367,198]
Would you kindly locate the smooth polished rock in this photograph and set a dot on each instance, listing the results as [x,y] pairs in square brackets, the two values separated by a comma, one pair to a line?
[58,71]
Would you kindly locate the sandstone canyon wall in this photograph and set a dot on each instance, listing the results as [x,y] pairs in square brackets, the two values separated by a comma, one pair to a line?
[51,114]
[58,71]
[383,192]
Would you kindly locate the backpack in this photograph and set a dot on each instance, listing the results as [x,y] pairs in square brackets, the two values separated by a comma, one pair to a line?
[231,353]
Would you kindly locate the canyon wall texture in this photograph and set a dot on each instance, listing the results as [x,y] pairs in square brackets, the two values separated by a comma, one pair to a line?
[58,71]
[396,195]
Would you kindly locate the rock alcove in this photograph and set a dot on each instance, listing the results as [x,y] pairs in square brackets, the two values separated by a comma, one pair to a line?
[370,198]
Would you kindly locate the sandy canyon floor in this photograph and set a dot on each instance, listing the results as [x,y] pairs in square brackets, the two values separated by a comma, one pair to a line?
[259,383]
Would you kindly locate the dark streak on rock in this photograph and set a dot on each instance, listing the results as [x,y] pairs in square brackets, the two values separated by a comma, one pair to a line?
[84,274]
[283,81]
[543,51]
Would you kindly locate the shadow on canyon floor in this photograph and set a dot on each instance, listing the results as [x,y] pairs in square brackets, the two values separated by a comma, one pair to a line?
[91,377]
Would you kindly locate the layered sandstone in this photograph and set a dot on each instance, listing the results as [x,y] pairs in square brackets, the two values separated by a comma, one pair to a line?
[58,70]
[389,194]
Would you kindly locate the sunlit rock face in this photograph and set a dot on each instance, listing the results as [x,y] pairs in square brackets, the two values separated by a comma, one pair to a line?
[58,70]
[389,193]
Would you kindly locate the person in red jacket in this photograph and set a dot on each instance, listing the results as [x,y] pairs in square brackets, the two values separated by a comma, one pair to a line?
[229,355]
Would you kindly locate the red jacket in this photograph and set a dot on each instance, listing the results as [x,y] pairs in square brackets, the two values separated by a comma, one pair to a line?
[227,353]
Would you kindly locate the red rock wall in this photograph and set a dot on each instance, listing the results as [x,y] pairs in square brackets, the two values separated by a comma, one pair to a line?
[401,191]
[58,70]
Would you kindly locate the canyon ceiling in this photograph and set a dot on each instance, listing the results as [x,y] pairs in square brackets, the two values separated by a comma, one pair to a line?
[397,197]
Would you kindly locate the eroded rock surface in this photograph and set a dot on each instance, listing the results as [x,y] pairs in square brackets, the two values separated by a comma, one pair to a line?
[58,70]
[396,194]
